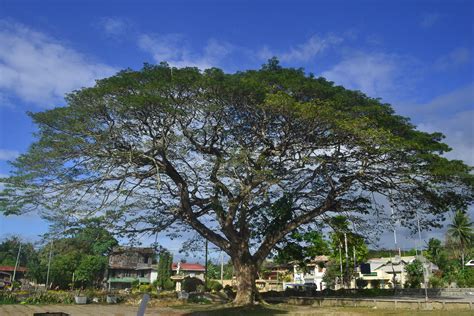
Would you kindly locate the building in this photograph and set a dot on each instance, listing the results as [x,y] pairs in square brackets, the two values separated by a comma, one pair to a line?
[193,270]
[384,272]
[6,274]
[272,276]
[131,264]
[311,275]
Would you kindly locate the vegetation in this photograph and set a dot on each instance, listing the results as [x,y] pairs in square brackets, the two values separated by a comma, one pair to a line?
[243,159]
[164,271]
[460,233]
[82,254]
[414,276]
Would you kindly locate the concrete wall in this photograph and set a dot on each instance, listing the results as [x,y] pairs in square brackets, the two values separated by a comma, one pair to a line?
[381,303]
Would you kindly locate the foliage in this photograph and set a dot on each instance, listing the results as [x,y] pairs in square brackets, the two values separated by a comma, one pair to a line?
[361,283]
[214,285]
[302,247]
[461,233]
[28,256]
[164,271]
[414,272]
[90,270]
[7,297]
[214,270]
[243,159]
[436,282]
[375,284]
[332,275]
[190,284]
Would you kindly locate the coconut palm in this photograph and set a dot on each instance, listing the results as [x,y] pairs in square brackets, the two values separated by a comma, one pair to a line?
[460,231]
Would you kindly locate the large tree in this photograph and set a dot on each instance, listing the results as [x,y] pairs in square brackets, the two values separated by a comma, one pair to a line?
[242,159]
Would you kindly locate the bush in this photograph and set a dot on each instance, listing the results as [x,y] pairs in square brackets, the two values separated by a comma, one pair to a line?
[436,282]
[190,284]
[214,286]
[145,288]
[375,284]
[361,283]
[7,298]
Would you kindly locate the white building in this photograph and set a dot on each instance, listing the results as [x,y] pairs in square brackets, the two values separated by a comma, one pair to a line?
[312,275]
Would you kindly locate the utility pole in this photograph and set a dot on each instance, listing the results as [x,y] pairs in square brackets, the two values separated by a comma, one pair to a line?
[49,264]
[16,264]
[222,268]
[347,259]
[205,265]
[423,261]
[340,261]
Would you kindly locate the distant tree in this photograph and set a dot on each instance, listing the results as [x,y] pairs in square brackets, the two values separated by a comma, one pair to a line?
[243,159]
[436,253]
[164,270]
[461,232]
[9,248]
[91,270]
[414,272]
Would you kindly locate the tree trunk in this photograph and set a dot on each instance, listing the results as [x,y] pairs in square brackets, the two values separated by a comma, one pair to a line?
[246,274]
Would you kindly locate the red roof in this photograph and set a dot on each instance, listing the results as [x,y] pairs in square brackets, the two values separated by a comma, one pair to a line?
[12,268]
[188,267]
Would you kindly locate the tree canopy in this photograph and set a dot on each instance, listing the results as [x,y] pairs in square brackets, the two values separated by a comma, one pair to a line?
[243,159]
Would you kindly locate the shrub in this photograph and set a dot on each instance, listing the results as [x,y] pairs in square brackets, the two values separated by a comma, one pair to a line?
[436,282]
[214,285]
[7,298]
[361,283]
[190,284]
[168,285]
[375,284]
[145,288]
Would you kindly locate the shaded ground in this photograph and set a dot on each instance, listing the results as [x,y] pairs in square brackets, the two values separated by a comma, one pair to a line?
[213,310]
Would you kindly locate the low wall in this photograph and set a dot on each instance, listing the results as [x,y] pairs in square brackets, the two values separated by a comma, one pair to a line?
[378,303]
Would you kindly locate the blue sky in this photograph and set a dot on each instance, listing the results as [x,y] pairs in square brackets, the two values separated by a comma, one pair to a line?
[416,55]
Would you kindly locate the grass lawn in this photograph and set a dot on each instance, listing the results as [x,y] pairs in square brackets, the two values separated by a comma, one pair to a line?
[283,309]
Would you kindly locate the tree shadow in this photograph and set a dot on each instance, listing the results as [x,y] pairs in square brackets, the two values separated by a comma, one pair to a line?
[235,311]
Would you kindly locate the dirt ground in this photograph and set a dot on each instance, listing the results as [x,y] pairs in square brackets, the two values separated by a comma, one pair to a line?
[123,310]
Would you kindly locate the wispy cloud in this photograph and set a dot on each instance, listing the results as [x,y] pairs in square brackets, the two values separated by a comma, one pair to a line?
[39,69]
[6,154]
[375,74]
[114,26]
[452,114]
[457,57]
[176,50]
[303,52]
[429,19]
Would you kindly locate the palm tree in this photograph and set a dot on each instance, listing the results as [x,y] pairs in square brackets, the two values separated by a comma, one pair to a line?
[461,232]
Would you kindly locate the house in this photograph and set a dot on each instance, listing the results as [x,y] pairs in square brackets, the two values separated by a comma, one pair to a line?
[6,274]
[130,264]
[272,276]
[311,275]
[193,270]
[383,272]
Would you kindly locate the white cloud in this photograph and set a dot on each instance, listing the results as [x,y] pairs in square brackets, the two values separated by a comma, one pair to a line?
[375,74]
[113,26]
[174,49]
[6,154]
[429,19]
[455,58]
[303,52]
[39,69]
[452,114]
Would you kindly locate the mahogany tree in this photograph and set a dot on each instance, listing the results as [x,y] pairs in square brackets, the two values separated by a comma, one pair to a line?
[242,159]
